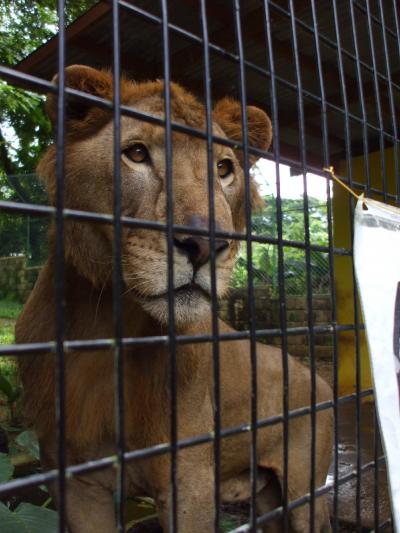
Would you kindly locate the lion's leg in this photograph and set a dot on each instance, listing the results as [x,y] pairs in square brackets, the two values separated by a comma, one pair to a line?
[195,493]
[268,499]
[89,503]
[89,506]
[299,518]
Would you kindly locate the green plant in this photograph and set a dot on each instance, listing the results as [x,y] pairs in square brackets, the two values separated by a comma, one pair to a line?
[26,517]
[265,256]
[10,309]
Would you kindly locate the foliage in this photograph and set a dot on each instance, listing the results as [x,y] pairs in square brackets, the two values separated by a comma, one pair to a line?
[265,256]
[6,468]
[24,133]
[24,127]
[27,440]
[9,309]
[6,333]
[28,518]
[25,516]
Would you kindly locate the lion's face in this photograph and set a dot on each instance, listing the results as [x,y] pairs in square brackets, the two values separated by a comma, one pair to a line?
[145,258]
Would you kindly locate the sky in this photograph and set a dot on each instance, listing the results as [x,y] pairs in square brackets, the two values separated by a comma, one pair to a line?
[291,186]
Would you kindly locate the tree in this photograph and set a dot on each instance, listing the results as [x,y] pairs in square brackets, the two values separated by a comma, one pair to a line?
[265,256]
[24,127]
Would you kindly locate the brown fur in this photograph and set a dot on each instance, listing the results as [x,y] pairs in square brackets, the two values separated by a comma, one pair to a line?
[89,384]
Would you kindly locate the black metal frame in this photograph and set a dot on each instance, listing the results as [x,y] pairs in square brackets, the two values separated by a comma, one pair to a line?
[59,213]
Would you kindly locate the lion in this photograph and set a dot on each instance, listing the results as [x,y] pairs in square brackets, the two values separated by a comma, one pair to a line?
[90,427]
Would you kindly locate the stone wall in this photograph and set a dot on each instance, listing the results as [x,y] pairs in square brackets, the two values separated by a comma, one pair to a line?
[16,278]
[234,310]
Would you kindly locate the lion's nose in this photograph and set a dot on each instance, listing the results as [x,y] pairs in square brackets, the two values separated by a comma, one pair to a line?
[198,249]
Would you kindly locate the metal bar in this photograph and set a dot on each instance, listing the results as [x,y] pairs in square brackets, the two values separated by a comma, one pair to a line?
[378,102]
[163,448]
[355,303]
[249,261]
[281,277]
[36,209]
[106,344]
[32,81]
[236,57]
[376,20]
[396,148]
[59,346]
[213,280]
[335,360]
[173,502]
[59,275]
[117,275]
[393,111]
[376,470]
[302,500]
[362,99]
[331,44]
[311,339]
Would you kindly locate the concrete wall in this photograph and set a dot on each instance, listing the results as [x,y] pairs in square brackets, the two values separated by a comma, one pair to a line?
[234,310]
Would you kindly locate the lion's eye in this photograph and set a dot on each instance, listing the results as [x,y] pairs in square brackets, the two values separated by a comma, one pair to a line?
[225,168]
[137,153]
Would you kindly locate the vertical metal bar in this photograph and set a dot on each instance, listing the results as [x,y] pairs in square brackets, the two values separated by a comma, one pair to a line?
[396,171]
[310,322]
[376,471]
[60,267]
[396,147]
[366,158]
[170,260]
[393,111]
[362,99]
[117,272]
[211,212]
[378,101]
[281,271]
[250,288]
[325,144]
[355,302]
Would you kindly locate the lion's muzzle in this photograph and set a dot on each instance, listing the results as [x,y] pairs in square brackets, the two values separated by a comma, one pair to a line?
[198,247]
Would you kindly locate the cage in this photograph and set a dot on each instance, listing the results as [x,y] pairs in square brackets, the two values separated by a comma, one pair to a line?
[326,73]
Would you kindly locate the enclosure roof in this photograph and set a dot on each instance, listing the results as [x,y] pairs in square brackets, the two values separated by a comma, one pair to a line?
[89,41]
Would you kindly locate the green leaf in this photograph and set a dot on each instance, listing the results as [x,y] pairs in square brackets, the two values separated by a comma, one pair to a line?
[28,440]
[28,518]
[6,468]
[6,388]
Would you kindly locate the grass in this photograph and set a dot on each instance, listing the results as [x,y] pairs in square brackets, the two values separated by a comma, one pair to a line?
[9,381]
[9,309]
[6,331]
[9,312]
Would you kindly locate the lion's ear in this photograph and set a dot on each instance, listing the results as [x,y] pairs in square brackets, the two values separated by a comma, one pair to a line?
[85,79]
[227,113]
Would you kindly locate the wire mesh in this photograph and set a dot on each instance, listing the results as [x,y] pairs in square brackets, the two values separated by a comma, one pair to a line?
[276,259]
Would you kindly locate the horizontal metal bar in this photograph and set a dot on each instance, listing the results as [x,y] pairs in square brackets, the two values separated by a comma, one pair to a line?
[164,448]
[262,71]
[387,523]
[46,86]
[306,498]
[42,210]
[364,10]
[106,344]
[332,44]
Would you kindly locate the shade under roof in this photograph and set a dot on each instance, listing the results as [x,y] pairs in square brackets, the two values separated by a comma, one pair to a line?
[89,41]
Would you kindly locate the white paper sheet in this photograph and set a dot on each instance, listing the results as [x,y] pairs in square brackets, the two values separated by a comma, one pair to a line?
[377,264]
